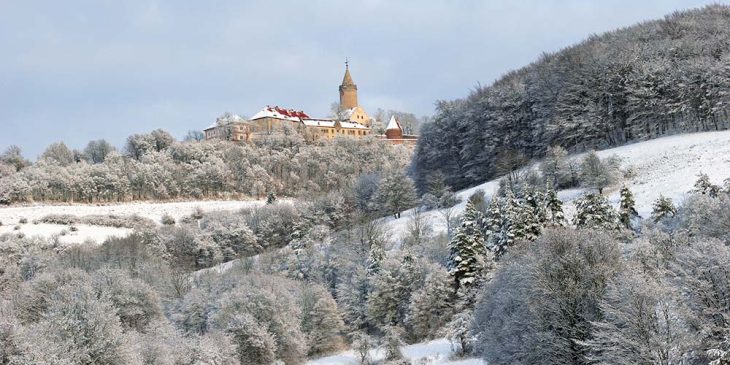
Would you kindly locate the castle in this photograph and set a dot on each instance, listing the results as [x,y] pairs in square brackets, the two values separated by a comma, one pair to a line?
[351,120]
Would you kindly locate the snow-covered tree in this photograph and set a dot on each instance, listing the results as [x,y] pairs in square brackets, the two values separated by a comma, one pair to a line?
[321,321]
[643,323]
[554,210]
[705,187]
[627,211]
[663,208]
[395,194]
[79,327]
[596,173]
[594,211]
[58,153]
[554,167]
[431,306]
[467,252]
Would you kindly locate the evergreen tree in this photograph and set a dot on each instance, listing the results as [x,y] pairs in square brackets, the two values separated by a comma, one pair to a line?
[321,321]
[431,306]
[467,252]
[554,210]
[705,187]
[271,198]
[627,211]
[662,208]
[594,211]
[375,259]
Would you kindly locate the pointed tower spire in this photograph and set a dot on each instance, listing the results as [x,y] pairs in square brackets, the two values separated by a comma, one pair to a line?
[347,80]
[348,90]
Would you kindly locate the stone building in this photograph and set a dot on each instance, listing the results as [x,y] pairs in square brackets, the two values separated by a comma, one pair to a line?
[351,120]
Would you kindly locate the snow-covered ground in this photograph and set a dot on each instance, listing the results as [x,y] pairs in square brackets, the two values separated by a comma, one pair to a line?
[436,352]
[10,217]
[668,166]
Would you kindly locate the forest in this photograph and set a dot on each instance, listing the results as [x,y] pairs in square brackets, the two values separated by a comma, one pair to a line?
[655,78]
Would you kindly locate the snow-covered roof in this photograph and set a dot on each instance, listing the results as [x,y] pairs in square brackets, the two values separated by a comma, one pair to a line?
[280,113]
[352,125]
[318,122]
[393,124]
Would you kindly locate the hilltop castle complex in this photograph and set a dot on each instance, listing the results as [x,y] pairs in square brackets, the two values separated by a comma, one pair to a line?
[351,120]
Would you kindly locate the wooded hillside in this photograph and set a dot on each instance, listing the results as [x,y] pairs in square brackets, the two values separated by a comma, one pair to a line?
[658,77]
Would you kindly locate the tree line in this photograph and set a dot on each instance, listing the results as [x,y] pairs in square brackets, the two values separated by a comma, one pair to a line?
[155,166]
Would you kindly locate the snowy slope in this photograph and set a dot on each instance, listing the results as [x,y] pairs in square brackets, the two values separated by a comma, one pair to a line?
[10,216]
[435,352]
[667,166]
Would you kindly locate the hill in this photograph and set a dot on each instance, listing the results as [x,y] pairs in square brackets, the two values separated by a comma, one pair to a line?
[656,78]
[665,166]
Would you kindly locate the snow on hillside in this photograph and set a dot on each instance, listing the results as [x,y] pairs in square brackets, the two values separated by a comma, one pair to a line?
[436,352]
[667,166]
[10,217]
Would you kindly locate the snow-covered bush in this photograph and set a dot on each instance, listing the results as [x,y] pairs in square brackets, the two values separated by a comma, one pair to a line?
[167,220]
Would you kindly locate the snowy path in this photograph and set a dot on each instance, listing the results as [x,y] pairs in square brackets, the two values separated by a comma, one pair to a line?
[667,166]
[436,352]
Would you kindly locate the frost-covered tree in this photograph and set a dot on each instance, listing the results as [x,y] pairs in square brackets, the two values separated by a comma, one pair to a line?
[554,168]
[643,323]
[542,301]
[96,151]
[58,153]
[705,187]
[554,210]
[594,211]
[662,208]
[467,252]
[13,156]
[627,210]
[431,306]
[395,194]
[321,321]
[595,173]
[79,327]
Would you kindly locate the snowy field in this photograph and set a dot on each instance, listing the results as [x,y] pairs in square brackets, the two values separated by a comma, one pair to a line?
[667,166]
[435,352]
[11,216]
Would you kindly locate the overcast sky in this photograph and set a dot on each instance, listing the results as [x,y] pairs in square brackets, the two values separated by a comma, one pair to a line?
[74,71]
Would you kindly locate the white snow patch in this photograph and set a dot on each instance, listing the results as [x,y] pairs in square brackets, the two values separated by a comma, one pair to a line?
[65,235]
[10,216]
[436,352]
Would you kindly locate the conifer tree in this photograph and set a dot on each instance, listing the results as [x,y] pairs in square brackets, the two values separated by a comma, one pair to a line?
[493,226]
[431,306]
[705,187]
[662,208]
[270,198]
[375,259]
[554,210]
[594,211]
[627,211]
[467,252]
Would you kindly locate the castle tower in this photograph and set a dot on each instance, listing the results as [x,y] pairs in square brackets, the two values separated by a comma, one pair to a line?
[348,91]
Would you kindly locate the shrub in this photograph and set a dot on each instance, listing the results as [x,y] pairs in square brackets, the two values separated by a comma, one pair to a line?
[23,220]
[167,220]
